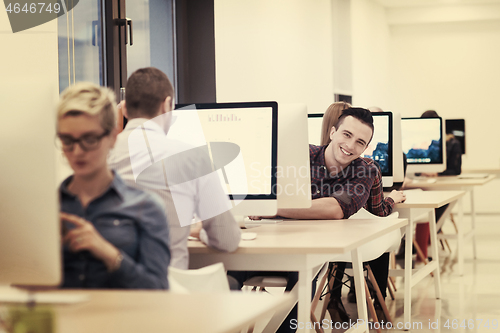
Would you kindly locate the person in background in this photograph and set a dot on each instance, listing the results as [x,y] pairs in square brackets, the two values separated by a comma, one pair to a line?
[453,168]
[148,104]
[115,236]
[376,205]
[453,151]
[330,119]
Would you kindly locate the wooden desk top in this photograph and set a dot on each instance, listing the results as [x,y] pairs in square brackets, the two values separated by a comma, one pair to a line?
[444,182]
[160,311]
[495,171]
[306,237]
[428,199]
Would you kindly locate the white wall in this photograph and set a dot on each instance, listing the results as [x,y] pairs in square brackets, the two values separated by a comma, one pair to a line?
[371,57]
[451,64]
[454,69]
[443,58]
[274,50]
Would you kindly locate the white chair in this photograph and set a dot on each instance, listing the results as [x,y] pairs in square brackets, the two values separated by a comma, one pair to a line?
[369,251]
[211,278]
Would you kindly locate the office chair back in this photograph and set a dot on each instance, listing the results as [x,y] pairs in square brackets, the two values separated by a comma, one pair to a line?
[208,279]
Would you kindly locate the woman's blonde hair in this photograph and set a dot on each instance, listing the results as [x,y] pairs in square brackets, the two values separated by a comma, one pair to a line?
[90,99]
[330,119]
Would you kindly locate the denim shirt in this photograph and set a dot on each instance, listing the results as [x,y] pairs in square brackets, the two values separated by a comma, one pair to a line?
[135,223]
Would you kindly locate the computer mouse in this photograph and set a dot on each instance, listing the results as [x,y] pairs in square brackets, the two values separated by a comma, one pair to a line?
[248,235]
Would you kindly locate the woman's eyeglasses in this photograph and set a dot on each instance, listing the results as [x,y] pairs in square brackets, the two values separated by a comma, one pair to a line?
[87,142]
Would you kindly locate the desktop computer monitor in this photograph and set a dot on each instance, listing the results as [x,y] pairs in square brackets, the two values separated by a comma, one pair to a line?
[30,232]
[457,128]
[380,149]
[315,129]
[397,148]
[294,175]
[242,141]
[424,145]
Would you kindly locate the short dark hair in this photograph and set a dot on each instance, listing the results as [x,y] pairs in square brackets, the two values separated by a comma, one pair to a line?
[429,114]
[363,115]
[146,89]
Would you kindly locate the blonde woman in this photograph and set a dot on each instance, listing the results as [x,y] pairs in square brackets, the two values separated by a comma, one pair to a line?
[115,236]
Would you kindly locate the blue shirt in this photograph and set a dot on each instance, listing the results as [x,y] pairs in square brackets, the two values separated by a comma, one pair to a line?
[135,223]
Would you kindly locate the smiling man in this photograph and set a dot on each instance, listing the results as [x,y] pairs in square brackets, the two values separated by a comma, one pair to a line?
[340,179]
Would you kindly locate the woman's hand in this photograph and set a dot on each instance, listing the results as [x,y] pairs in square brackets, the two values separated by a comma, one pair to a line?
[195,230]
[397,196]
[85,237]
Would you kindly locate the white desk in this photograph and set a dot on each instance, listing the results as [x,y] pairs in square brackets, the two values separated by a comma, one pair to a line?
[492,171]
[301,246]
[416,204]
[455,183]
[159,311]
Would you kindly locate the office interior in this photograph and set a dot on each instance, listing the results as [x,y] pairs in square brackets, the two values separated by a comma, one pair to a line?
[405,56]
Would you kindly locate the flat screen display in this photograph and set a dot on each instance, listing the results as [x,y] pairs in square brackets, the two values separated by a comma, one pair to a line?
[314,126]
[380,148]
[242,143]
[422,140]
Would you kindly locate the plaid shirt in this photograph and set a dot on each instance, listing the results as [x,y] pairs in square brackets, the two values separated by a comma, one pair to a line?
[357,185]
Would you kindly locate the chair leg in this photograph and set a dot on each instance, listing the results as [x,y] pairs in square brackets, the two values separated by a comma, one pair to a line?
[319,290]
[442,244]
[447,244]
[379,294]
[315,301]
[453,221]
[420,254]
[390,286]
[314,320]
[371,308]
[327,296]
[393,266]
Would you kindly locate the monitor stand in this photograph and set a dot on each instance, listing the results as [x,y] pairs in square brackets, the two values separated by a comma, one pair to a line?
[14,295]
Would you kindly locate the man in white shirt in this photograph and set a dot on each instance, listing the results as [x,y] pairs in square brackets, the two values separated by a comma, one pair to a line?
[146,157]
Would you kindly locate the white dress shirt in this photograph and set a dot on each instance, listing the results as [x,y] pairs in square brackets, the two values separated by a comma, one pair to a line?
[145,157]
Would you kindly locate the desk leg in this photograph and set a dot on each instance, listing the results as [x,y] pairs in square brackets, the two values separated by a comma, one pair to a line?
[473,219]
[460,236]
[359,282]
[408,271]
[305,291]
[434,252]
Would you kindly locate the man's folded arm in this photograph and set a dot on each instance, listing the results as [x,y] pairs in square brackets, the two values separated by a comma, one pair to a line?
[321,209]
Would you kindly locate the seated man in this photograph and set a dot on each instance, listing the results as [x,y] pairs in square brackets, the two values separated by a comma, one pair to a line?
[340,179]
[146,158]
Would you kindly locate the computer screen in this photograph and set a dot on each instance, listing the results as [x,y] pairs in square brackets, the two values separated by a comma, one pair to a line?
[457,128]
[314,126]
[242,141]
[294,176]
[423,144]
[380,148]
[30,232]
